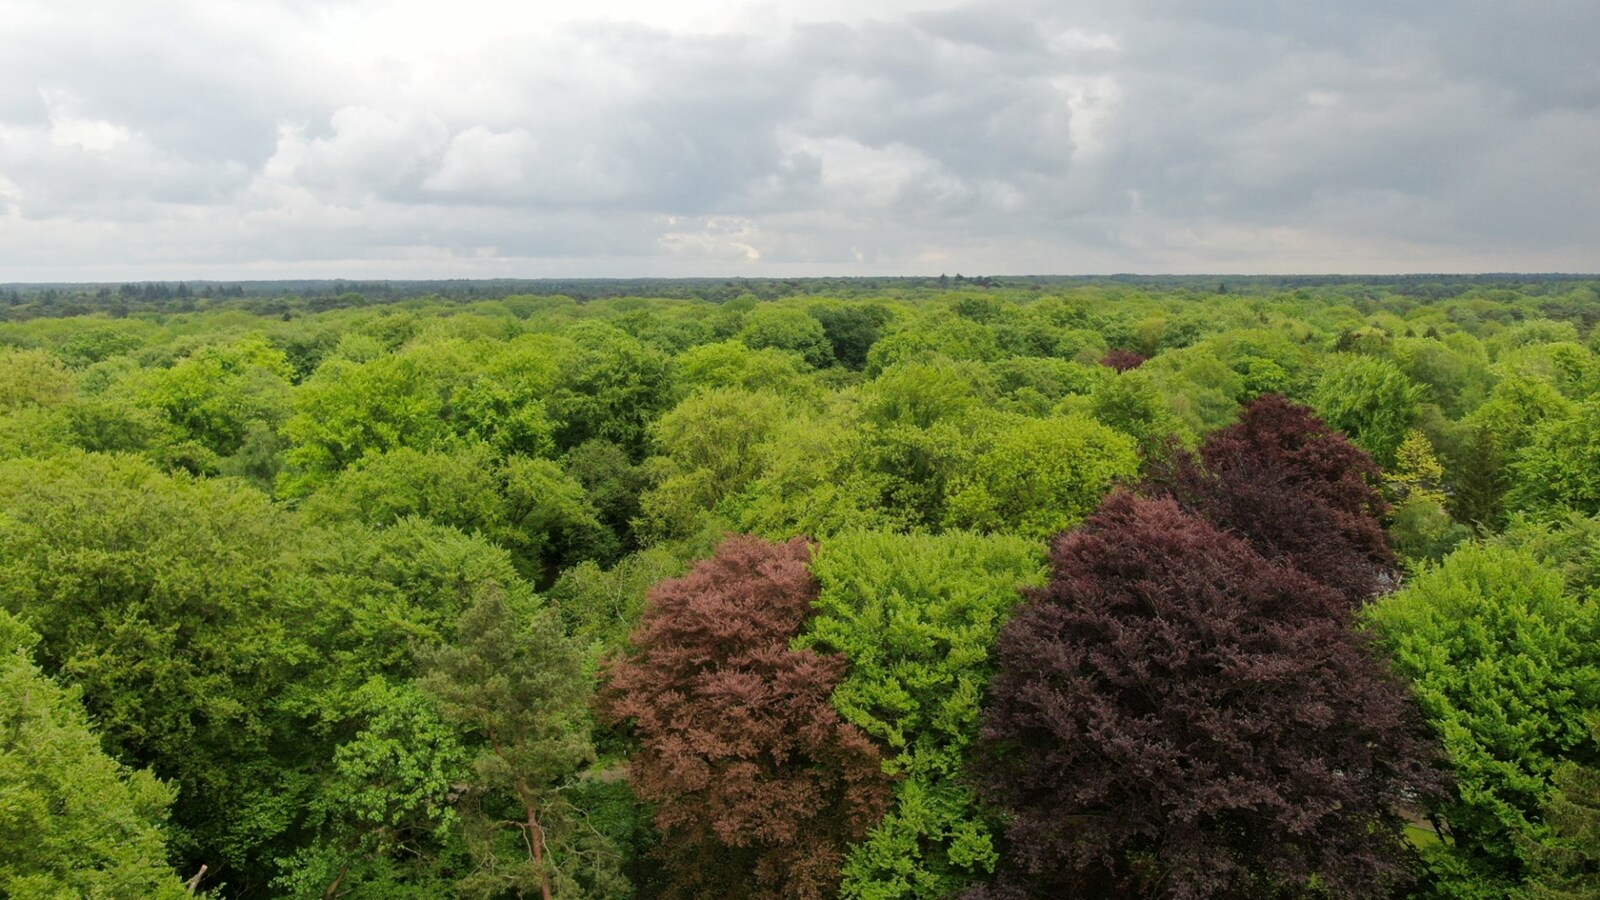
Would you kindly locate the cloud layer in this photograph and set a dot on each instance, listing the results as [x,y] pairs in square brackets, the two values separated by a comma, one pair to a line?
[244,138]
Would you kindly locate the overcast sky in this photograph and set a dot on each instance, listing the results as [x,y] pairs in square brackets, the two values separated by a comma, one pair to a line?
[165,139]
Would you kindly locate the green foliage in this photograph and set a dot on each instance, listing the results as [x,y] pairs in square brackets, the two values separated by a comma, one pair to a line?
[346,411]
[1204,392]
[518,684]
[1517,406]
[919,395]
[731,364]
[33,378]
[1569,545]
[217,394]
[1567,865]
[915,616]
[163,599]
[73,822]
[936,339]
[1416,474]
[383,821]
[1423,531]
[600,606]
[1506,665]
[1038,383]
[505,403]
[377,593]
[1568,365]
[609,387]
[1268,361]
[815,482]
[1132,403]
[1421,527]
[529,506]
[851,330]
[612,483]
[787,328]
[1560,465]
[1040,476]
[1370,400]
[452,488]
[1451,374]
[712,445]
[1480,470]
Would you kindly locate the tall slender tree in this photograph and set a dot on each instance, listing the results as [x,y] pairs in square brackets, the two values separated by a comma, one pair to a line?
[514,678]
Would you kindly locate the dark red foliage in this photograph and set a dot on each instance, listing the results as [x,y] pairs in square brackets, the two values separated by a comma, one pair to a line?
[1122,360]
[1175,716]
[759,785]
[1293,487]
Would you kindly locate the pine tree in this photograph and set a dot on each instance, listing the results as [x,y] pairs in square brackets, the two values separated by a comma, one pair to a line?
[514,679]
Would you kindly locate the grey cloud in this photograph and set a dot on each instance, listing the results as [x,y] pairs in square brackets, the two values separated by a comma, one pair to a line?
[1020,136]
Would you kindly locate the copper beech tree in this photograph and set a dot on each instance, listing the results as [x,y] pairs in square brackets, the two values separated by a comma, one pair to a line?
[1297,490]
[759,785]
[1176,716]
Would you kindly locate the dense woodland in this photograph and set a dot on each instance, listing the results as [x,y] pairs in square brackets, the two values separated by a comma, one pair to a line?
[947,588]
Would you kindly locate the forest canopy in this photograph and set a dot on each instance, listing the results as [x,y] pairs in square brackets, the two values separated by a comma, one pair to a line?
[931,588]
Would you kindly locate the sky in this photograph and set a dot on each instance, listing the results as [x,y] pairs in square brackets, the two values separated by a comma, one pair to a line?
[246,139]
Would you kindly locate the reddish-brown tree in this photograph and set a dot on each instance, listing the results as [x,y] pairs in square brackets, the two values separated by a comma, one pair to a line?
[759,785]
[1293,487]
[1175,716]
[1122,360]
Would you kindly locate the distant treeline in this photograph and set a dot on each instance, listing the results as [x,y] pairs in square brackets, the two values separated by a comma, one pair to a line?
[19,301]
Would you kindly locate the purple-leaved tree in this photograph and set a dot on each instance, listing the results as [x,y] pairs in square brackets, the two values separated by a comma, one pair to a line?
[1175,715]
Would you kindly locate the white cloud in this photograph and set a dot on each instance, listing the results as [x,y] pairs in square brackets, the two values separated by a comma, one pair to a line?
[86,134]
[483,163]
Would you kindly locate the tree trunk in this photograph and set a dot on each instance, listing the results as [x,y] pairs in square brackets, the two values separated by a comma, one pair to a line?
[333,889]
[535,830]
[535,836]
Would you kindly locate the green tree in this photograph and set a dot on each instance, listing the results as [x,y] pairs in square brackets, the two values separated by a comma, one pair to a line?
[731,364]
[529,506]
[915,616]
[1506,665]
[517,683]
[168,601]
[817,480]
[1560,465]
[852,329]
[346,411]
[1202,391]
[1567,865]
[1421,527]
[376,593]
[787,328]
[610,386]
[1370,400]
[73,822]
[712,445]
[939,338]
[383,818]
[33,378]
[1040,476]
[215,395]
[1480,470]
[1132,403]
[1452,374]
